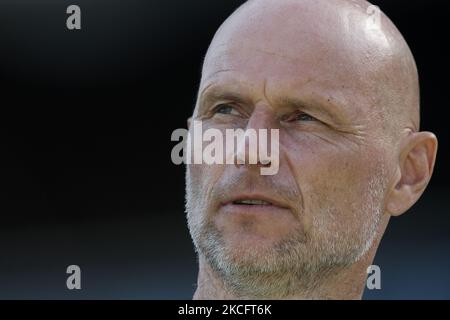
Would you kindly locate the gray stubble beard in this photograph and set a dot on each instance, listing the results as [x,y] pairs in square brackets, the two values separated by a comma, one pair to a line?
[296,264]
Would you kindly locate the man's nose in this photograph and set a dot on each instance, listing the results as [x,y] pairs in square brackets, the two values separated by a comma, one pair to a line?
[262,117]
[257,139]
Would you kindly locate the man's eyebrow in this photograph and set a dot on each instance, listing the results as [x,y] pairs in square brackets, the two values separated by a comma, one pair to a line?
[215,94]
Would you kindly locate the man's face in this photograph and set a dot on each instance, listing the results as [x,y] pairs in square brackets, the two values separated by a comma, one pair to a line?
[322,209]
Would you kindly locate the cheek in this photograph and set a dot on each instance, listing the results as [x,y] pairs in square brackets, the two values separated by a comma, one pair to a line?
[335,182]
[202,179]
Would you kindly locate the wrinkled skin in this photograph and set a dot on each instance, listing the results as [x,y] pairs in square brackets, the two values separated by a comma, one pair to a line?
[343,92]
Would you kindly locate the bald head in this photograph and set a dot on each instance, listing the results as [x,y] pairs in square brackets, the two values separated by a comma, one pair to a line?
[345,45]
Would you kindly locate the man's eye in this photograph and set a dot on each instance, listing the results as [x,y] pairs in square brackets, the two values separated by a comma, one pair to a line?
[226,109]
[304,117]
[299,116]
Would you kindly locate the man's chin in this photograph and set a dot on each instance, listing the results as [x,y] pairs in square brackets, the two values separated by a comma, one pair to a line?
[251,249]
[261,232]
[242,258]
[250,245]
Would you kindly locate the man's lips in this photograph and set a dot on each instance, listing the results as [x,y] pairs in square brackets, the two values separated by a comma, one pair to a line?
[254,200]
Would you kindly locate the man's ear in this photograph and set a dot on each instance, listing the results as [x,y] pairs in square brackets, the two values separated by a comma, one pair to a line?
[414,172]
[189,120]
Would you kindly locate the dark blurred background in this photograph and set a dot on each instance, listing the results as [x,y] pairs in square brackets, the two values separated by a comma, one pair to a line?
[86,176]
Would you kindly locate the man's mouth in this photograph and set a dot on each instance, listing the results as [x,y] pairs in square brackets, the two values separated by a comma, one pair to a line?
[254,205]
[252,202]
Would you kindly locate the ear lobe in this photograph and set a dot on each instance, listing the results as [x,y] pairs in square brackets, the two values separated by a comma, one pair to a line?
[413,173]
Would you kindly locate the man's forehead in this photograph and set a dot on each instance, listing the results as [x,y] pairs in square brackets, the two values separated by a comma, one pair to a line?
[296,52]
[248,69]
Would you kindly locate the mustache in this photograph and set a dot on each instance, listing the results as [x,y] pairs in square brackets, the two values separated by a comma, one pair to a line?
[232,183]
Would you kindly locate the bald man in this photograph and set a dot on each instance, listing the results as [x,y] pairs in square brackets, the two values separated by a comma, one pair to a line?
[341,86]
